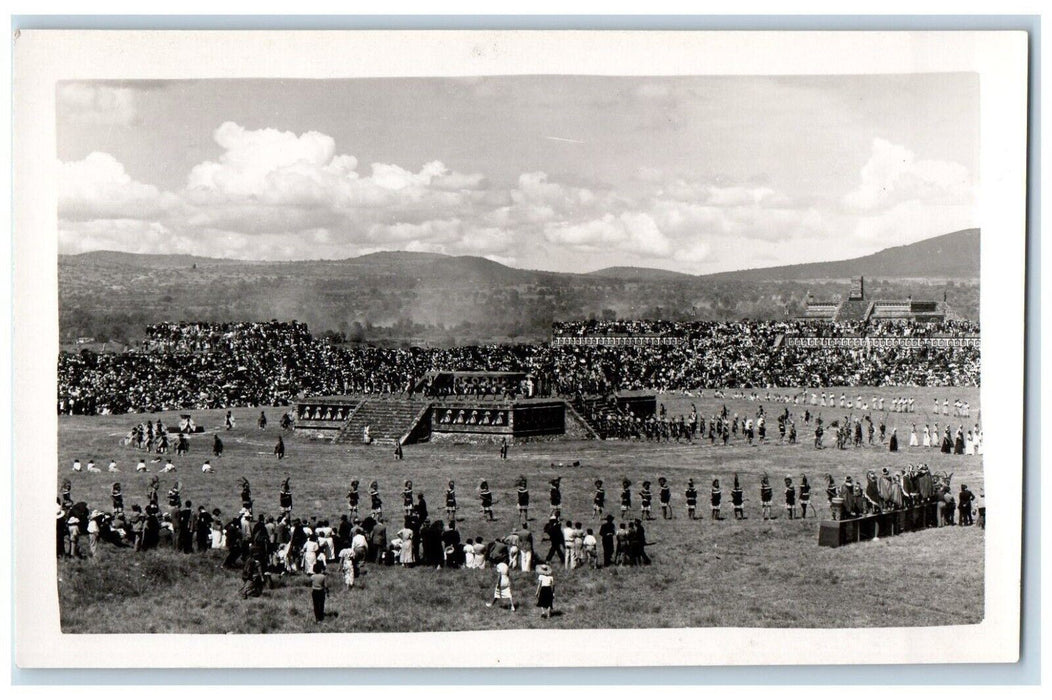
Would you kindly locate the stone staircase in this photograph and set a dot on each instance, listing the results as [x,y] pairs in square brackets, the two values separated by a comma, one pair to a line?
[390,421]
[854,310]
[599,407]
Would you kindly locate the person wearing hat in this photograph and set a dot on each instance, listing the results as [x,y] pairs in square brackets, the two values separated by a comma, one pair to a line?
[766,496]
[790,497]
[847,498]
[545,590]
[691,495]
[964,506]
[716,499]
[598,499]
[738,499]
[93,532]
[73,532]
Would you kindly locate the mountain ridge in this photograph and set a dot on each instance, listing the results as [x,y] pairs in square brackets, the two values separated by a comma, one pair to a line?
[954,254]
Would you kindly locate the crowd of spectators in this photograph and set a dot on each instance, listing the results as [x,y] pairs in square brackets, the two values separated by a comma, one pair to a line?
[884,328]
[201,366]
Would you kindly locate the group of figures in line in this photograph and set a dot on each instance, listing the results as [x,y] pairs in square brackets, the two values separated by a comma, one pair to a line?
[915,485]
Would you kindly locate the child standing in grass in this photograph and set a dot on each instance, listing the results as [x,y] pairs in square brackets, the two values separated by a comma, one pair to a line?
[545,590]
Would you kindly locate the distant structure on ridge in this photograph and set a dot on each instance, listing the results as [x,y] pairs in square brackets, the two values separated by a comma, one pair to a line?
[857,308]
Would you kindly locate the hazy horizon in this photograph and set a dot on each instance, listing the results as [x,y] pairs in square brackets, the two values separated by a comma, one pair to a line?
[558,173]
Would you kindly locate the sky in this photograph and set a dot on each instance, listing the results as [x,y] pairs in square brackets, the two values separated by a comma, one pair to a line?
[564,173]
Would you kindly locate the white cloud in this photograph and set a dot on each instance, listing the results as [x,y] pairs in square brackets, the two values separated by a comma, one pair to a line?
[96,104]
[634,232]
[894,175]
[98,187]
[273,194]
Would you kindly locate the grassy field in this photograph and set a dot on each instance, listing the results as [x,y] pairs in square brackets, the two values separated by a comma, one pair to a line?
[730,573]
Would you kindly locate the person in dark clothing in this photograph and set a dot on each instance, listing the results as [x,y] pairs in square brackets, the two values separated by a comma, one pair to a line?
[641,535]
[259,548]
[202,527]
[554,532]
[252,579]
[186,533]
[433,554]
[607,533]
[233,543]
[297,538]
[454,556]
[691,495]
[246,494]
[279,448]
[738,499]
[217,446]
[285,497]
[964,506]
[318,589]
[893,443]
[805,496]
[343,532]
[421,508]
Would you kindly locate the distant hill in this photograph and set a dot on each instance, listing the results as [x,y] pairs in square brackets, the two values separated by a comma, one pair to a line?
[952,256]
[117,258]
[638,274]
[439,299]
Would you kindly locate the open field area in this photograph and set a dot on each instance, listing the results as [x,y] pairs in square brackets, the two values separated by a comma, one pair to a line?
[704,573]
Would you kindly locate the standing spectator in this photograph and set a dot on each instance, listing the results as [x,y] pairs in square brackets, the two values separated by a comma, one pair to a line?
[525,547]
[545,590]
[502,589]
[318,588]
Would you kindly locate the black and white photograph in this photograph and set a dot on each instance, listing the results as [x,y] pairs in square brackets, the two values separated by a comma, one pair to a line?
[533,350]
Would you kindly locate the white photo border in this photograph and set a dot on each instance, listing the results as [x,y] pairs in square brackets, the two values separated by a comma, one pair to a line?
[44,57]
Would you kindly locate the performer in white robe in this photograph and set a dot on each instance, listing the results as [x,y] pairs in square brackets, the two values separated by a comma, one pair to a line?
[913,437]
[927,436]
